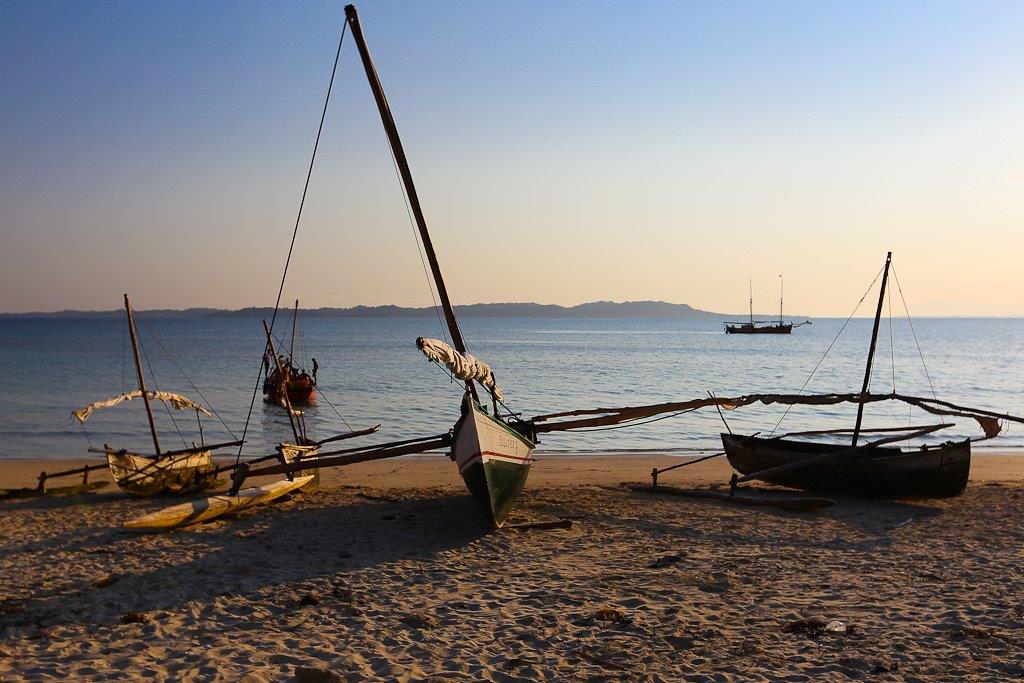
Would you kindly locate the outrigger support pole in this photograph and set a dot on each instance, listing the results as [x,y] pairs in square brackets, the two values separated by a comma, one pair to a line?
[655,472]
[84,471]
[355,455]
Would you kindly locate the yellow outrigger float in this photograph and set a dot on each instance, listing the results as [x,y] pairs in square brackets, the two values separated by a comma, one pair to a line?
[205,509]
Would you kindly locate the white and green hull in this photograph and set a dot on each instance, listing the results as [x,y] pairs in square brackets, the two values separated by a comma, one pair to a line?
[493,459]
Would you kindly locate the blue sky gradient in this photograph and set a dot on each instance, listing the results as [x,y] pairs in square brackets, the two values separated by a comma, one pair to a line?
[564,152]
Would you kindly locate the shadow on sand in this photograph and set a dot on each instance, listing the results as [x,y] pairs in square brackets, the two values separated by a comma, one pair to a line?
[286,544]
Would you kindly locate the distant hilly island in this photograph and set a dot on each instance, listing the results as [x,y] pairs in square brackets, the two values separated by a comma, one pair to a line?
[595,309]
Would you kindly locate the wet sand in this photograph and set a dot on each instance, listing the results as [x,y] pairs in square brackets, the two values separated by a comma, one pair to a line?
[389,572]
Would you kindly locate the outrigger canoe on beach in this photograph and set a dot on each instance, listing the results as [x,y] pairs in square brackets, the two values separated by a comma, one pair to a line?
[185,470]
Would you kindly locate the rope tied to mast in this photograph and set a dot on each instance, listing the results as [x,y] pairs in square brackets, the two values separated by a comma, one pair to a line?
[295,231]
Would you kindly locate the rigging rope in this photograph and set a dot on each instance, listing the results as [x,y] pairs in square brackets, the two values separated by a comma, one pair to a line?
[163,403]
[419,248]
[323,395]
[914,332]
[892,346]
[834,340]
[185,375]
[84,431]
[124,352]
[295,230]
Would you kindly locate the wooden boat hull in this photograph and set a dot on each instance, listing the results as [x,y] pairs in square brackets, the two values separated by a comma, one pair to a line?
[299,392]
[493,459]
[881,472]
[785,328]
[139,476]
[206,509]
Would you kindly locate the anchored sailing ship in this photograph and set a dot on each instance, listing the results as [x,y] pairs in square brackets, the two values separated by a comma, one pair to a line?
[284,371]
[177,471]
[762,326]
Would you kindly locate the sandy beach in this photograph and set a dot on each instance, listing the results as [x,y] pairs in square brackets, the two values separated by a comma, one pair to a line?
[387,572]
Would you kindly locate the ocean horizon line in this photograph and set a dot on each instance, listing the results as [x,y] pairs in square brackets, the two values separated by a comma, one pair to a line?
[591,309]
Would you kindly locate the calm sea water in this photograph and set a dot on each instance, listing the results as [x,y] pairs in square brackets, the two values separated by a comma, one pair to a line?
[372,372]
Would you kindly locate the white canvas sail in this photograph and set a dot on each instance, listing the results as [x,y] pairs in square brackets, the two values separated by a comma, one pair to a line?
[176,401]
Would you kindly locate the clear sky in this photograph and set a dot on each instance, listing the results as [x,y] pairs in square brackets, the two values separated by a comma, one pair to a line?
[564,152]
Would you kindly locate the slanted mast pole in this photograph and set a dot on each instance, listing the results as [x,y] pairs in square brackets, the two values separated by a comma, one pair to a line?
[142,378]
[871,349]
[391,129]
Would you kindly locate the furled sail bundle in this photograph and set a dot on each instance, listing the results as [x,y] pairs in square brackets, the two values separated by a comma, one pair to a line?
[465,366]
[177,401]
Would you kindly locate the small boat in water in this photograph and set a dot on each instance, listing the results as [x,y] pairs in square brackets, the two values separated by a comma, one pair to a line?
[283,371]
[763,326]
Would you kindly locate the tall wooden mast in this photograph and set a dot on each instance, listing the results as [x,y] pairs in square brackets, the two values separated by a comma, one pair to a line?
[404,171]
[871,349]
[782,285]
[142,378]
[750,287]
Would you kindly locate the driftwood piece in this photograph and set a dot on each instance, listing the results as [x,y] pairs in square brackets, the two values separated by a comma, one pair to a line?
[793,504]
